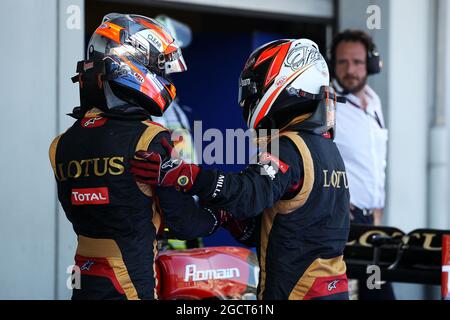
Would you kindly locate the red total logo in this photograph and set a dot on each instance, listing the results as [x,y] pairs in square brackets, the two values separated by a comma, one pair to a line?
[90,196]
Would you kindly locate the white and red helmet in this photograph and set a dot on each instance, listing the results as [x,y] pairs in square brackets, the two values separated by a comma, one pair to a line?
[281,80]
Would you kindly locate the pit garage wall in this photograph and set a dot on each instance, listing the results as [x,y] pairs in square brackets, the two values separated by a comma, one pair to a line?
[39,53]
[71,48]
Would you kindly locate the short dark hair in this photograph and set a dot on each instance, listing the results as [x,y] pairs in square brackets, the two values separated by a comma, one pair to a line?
[352,36]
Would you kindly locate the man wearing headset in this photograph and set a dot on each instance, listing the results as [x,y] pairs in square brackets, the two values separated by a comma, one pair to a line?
[361,135]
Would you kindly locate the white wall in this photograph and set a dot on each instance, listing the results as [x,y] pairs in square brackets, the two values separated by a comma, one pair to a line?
[439,202]
[409,112]
[30,243]
[28,104]
[71,49]
[444,5]
[411,51]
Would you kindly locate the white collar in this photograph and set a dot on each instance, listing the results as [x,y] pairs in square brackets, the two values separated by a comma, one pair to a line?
[368,92]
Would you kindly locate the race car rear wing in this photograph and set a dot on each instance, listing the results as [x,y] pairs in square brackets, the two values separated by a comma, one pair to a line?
[415,257]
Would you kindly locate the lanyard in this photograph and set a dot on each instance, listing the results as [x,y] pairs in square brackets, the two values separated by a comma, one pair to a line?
[375,117]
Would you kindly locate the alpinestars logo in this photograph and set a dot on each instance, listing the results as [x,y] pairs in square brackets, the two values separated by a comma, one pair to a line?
[171,164]
[332,285]
[266,158]
[270,171]
[87,265]
[93,122]
[192,274]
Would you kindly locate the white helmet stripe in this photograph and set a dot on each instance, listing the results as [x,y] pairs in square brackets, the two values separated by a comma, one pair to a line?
[272,95]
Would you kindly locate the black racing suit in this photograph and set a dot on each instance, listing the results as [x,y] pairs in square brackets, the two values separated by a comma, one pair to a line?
[304,225]
[116,219]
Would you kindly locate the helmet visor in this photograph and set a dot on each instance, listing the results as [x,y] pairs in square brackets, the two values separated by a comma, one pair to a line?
[173,61]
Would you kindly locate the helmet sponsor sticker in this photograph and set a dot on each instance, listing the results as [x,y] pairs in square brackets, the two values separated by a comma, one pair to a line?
[302,55]
[245,82]
[90,196]
[155,41]
[138,77]
[281,81]
[152,38]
